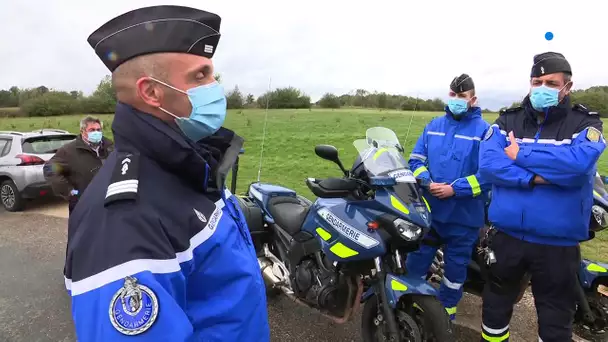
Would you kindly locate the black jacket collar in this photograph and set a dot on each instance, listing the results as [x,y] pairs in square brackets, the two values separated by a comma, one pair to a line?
[555,113]
[196,163]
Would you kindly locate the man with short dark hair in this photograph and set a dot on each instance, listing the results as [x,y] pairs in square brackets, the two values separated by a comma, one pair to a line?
[75,164]
[445,158]
[159,249]
[541,160]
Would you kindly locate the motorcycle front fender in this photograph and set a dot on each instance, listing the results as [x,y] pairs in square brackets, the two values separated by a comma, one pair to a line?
[589,271]
[398,286]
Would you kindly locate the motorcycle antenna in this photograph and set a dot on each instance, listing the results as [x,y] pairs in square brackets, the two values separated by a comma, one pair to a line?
[411,119]
[264,132]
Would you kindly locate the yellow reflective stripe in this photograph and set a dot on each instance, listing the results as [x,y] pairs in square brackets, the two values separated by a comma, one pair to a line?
[596,268]
[595,193]
[495,339]
[379,152]
[324,234]
[427,204]
[398,205]
[420,170]
[397,286]
[451,311]
[342,251]
[474,184]
[417,307]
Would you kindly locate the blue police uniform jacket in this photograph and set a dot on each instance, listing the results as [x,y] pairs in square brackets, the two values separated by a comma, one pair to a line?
[158,249]
[563,149]
[447,152]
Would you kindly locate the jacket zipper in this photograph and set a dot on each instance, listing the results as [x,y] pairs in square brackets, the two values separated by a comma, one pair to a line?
[540,128]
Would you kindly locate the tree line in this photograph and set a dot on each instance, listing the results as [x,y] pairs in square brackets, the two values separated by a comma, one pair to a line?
[42,101]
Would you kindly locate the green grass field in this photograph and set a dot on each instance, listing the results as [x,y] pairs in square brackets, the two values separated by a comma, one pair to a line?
[289,156]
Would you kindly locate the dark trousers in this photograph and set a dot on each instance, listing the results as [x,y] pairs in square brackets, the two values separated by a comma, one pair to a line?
[554,279]
[72,201]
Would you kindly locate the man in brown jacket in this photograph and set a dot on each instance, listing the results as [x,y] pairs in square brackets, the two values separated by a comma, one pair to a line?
[75,164]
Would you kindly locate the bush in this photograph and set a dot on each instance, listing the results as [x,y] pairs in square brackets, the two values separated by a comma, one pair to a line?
[96,105]
[329,101]
[50,104]
[284,98]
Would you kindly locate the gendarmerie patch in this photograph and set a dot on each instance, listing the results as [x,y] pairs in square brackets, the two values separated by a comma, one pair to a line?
[125,179]
[593,134]
[134,308]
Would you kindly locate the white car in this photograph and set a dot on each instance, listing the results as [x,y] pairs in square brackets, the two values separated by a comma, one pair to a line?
[22,157]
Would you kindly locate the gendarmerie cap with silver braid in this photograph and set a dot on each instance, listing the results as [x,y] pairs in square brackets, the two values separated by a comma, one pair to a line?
[156,29]
[550,63]
[462,83]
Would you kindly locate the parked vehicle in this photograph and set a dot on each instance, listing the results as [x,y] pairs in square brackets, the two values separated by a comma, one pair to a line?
[349,246]
[22,156]
[591,319]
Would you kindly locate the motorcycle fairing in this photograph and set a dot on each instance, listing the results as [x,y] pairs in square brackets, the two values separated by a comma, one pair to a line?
[416,212]
[591,270]
[341,227]
[400,285]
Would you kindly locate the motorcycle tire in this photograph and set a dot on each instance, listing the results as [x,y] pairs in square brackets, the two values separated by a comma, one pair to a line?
[599,331]
[432,324]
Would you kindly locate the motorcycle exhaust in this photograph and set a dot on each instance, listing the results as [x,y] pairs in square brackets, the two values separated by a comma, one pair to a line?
[267,273]
[275,274]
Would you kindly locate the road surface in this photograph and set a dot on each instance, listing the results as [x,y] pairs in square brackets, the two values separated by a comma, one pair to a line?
[35,307]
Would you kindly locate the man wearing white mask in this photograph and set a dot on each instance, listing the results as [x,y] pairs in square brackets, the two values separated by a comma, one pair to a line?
[75,164]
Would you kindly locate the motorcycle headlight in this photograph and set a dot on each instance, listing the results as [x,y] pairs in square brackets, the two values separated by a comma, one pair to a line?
[600,215]
[407,230]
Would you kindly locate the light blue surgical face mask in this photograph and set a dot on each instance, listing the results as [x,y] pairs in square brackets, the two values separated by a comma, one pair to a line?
[458,106]
[94,137]
[208,110]
[543,97]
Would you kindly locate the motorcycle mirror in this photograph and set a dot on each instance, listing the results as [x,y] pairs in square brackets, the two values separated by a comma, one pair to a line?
[330,153]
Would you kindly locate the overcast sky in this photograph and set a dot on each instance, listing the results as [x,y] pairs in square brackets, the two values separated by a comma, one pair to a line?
[404,47]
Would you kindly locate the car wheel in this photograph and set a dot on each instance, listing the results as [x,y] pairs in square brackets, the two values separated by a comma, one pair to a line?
[10,197]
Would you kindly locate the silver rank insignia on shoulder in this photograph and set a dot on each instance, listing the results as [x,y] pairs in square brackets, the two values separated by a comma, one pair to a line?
[125,179]
[593,134]
[134,308]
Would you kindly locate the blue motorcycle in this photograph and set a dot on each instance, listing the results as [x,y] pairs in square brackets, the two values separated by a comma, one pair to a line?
[591,319]
[348,247]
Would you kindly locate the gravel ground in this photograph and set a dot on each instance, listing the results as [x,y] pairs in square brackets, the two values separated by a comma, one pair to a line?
[34,305]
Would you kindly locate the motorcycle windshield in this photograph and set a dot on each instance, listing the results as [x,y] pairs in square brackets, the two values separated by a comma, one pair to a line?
[382,155]
[380,152]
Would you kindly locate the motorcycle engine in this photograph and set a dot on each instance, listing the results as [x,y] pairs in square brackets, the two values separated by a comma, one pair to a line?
[321,288]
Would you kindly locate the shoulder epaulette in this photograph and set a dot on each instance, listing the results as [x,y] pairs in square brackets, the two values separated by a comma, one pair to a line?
[510,110]
[125,179]
[581,108]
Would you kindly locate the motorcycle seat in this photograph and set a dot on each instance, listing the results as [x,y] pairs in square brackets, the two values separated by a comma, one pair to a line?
[289,212]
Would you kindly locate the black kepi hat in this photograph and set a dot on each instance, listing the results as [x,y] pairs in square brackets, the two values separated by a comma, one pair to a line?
[550,63]
[462,83]
[156,29]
